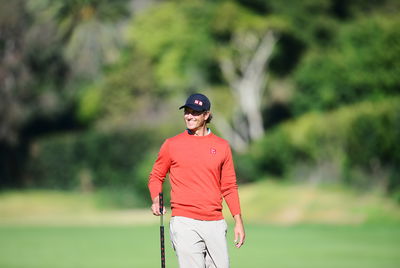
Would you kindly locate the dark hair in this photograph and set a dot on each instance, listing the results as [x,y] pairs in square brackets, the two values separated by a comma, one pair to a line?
[209,118]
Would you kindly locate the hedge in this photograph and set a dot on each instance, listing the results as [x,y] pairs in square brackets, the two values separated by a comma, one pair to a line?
[360,141]
[100,160]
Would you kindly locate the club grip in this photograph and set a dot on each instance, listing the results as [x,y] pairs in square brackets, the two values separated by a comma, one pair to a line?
[161,202]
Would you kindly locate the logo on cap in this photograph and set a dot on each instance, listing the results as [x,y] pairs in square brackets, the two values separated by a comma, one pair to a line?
[198,102]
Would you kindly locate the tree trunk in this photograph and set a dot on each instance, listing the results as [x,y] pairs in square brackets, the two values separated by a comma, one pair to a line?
[246,75]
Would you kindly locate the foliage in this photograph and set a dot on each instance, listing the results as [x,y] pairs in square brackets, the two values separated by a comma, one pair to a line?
[88,161]
[89,29]
[358,141]
[226,35]
[362,63]
[184,39]
[273,155]
[126,97]
[176,37]
[68,65]
[40,75]
[32,71]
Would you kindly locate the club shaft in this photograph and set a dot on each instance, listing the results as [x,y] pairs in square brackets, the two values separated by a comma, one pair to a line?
[162,247]
[161,203]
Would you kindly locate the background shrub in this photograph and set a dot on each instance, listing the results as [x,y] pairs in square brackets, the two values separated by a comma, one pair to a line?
[92,161]
[359,141]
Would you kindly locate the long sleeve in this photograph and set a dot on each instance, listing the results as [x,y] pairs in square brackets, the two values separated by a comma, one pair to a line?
[159,171]
[201,175]
[229,187]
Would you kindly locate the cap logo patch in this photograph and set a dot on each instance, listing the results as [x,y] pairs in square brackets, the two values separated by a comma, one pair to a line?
[198,102]
[213,151]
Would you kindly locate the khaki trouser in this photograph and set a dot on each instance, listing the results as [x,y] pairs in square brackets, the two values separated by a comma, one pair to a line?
[199,244]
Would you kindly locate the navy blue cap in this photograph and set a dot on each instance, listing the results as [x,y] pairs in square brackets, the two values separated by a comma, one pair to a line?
[197,102]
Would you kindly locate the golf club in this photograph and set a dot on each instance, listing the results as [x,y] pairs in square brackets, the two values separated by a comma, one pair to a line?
[161,202]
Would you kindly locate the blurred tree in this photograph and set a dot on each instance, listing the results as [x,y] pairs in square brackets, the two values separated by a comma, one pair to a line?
[198,45]
[31,75]
[363,62]
[38,70]
[243,61]
[312,21]
[176,38]
[168,53]
[125,98]
[245,54]
[14,70]
[32,72]
[316,21]
[89,29]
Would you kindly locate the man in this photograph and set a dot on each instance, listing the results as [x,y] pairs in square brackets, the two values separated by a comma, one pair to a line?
[201,173]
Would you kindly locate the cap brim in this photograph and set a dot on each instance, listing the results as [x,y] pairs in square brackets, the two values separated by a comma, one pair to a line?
[193,107]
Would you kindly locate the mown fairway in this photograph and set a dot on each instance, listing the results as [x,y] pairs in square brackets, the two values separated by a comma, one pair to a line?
[308,246]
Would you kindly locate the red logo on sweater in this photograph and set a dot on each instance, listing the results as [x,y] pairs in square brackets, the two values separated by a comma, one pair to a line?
[213,151]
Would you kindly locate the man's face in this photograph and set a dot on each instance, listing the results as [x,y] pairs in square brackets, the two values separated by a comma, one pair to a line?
[195,119]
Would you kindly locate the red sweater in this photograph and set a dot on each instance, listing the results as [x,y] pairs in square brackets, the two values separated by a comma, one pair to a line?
[201,172]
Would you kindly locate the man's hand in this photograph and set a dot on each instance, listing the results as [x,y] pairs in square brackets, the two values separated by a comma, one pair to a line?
[239,231]
[155,207]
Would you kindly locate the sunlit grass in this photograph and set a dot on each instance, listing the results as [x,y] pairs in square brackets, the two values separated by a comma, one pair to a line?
[287,226]
[308,246]
[15,203]
[266,202]
[45,207]
[288,203]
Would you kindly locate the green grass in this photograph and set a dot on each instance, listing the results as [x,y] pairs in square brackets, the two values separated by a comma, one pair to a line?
[50,208]
[308,246]
[289,203]
[266,202]
[287,225]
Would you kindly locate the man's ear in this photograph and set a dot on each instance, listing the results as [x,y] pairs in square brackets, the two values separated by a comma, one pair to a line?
[206,115]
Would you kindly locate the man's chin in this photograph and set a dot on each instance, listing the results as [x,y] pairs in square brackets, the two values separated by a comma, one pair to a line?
[190,127]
